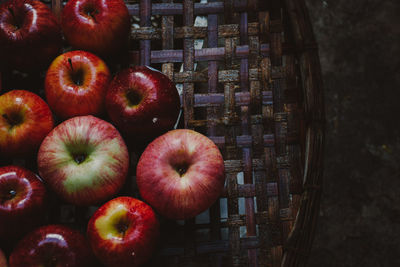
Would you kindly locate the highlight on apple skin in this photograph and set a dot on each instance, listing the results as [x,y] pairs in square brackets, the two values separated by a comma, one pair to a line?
[123,232]
[52,245]
[84,160]
[76,84]
[25,120]
[30,35]
[189,175]
[23,200]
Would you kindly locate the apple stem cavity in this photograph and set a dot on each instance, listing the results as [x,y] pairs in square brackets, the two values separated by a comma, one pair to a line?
[91,13]
[122,226]
[182,171]
[134,98]
[8,196]
[13,120]
[79,158]
[14,18]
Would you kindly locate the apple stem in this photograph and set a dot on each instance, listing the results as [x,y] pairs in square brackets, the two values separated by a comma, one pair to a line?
[13,15]
[11,11]
[182,171]
[70,64]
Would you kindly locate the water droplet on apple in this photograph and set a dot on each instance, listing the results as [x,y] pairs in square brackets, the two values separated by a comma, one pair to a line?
[155,120]
[133,253]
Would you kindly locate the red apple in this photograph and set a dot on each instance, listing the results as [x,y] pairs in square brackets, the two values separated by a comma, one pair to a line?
[181,174]
[52,245]
[30,35]
[84,160]
[22,201]
[76,84]
[142,102]
[123,232]
[25,120]
[3,259]
[98,26]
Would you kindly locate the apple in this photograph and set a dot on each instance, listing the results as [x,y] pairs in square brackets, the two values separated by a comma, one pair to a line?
[76,84]
[99,26]
[30,35]
[25,120]
[181,174]
[123,232]
[52,245]
[3,259]
[22,201]
[142,102]
[84,160]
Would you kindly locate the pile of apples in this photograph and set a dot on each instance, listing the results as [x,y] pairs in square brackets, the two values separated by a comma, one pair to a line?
[79,135]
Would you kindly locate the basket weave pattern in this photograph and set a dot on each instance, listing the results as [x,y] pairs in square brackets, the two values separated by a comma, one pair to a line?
[255,89]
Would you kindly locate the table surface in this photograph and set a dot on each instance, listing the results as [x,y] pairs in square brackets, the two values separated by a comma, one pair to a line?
[359,43]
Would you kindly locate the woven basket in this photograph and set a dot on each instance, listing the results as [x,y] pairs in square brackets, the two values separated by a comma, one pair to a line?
[250,80]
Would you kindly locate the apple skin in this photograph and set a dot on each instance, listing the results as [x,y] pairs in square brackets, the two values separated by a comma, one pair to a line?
[37,39]
[123,232]
[189,175]
[25,120]
[3,259]
[76,84]
[22,201]
[52,245]
[99,26]
[84,160]
[142,102]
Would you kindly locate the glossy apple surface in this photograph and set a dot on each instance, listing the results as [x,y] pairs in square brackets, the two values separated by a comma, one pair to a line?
[99,26]
[123,232]
[181,174]
[76,84]
[142,102]
[30,35]
[84,160]
[25,120]
[52,245]
[22,201]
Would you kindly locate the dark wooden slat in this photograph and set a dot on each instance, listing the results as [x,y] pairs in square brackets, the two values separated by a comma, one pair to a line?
[145,21]
[166,9]
[224,31]
[205,54]
[216,99]
[212,115]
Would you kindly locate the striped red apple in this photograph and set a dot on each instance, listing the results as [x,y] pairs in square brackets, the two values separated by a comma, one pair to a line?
[84,160]
[76,84]
[181,174]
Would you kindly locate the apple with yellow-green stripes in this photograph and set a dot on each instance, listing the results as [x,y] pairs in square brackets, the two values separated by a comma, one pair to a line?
[123,232]
[84,160]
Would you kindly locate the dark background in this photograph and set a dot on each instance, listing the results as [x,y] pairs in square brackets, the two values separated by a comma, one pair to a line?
[359,222]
